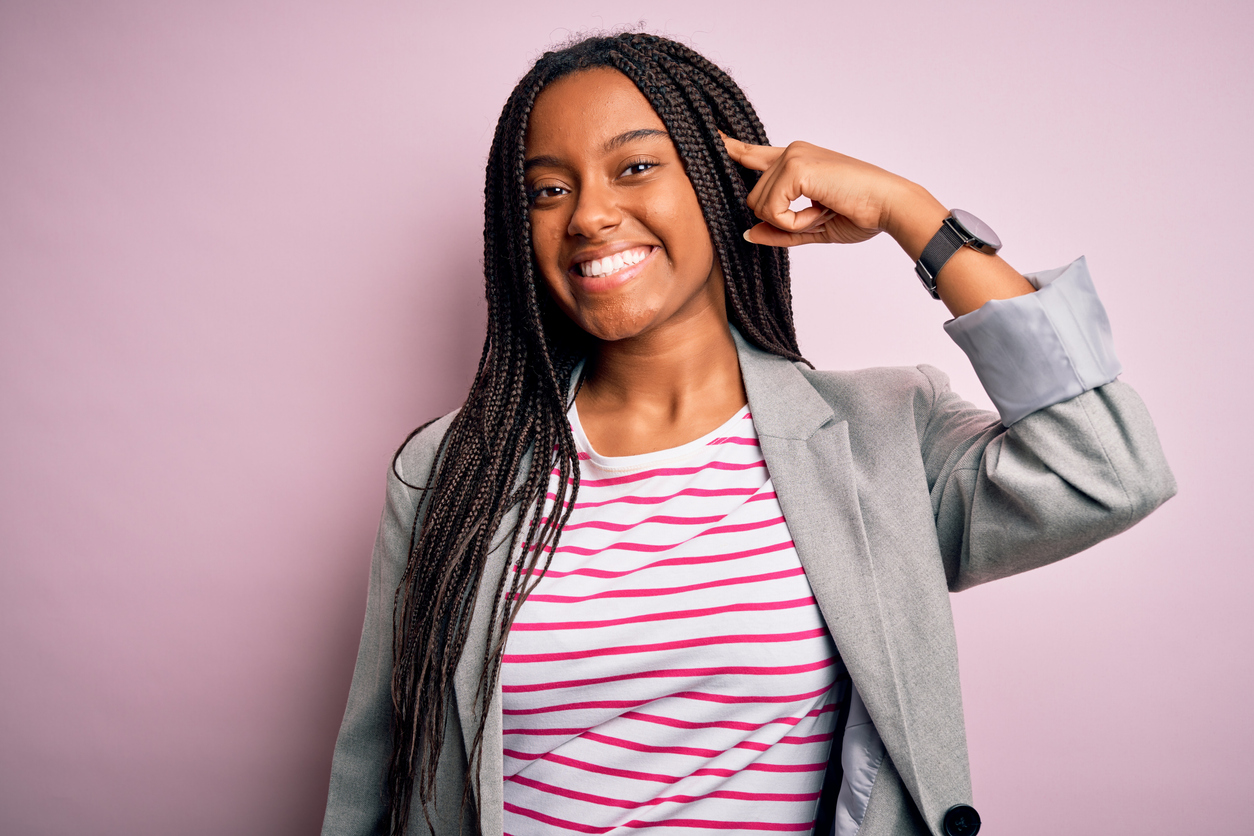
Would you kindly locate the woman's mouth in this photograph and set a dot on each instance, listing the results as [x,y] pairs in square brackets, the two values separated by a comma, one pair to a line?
[613,263]
[613,270]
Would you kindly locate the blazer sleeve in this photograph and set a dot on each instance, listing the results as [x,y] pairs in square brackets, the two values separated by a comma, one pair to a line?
[1075,457]
[1034,351]
[356,797]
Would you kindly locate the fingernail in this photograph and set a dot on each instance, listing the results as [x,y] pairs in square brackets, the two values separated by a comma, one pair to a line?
[746,236]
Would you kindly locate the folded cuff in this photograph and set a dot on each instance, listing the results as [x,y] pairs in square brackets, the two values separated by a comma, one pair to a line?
[1043,348]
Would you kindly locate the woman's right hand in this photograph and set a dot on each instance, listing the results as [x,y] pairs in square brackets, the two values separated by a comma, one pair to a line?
[852,200]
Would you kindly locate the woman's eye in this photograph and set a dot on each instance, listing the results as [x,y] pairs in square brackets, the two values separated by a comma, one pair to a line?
[639,167]
[541,192]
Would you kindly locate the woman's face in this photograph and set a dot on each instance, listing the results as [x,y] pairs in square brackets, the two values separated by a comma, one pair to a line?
[616,227]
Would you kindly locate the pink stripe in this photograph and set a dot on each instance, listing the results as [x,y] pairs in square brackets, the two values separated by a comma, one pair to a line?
[717,724]
[668,471]
[672,615]
[660,520]
[669,673]
[707,824]
[752,746]
[518,658]
[668,590]
[698,560]
[658,500]
[601,769]
[568,825]
[727,699]
[703,824]
[731,439]
[813,738]
[618,773]
[619,743]
[657,719]
[646,547]
[699,696]
[786,767]
[662,799]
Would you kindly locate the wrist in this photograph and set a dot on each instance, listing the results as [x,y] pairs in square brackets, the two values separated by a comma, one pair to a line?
[913,217]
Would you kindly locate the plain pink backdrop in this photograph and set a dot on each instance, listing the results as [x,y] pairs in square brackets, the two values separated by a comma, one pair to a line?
[239,260]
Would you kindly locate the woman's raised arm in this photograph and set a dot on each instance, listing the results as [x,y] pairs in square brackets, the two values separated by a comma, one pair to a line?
[854,201]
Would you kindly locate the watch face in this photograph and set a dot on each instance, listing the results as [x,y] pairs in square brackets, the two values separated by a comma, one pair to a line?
[977,229]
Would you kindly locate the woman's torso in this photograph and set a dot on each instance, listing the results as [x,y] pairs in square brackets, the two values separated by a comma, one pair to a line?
[672,667]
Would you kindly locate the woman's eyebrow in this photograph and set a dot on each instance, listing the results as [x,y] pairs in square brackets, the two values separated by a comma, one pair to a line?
[631,136]
[610,145]
[545,160]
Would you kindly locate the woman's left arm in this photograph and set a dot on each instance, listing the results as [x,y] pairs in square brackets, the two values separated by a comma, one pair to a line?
[1076,458]
[853,201]
[1030,349]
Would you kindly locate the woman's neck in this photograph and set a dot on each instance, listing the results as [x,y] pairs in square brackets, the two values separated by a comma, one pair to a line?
[663,388]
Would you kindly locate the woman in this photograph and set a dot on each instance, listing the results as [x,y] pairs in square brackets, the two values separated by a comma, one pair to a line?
[657,572]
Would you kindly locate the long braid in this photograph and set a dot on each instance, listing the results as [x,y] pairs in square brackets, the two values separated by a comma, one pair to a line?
[518,401]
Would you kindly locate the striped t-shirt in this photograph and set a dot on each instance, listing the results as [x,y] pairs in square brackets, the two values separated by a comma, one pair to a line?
[671,671]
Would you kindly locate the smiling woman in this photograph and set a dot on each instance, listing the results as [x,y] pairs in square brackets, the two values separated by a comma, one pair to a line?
[607,189]
[657,572]
[612,184]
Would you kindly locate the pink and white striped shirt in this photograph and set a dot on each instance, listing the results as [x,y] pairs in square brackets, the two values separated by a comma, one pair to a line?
[671,671]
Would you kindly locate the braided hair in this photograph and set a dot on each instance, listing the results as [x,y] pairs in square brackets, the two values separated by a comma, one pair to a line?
[512,433]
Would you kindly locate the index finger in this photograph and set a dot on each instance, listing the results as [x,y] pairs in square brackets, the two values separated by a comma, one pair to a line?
[756,157]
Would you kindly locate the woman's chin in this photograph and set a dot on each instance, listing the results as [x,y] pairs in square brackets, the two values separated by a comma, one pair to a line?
[614,323]
[614,335]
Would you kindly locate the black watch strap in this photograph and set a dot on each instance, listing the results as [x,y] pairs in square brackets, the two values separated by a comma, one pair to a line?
[938,251]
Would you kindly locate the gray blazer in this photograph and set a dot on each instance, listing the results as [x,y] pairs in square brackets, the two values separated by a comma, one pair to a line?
[896,492]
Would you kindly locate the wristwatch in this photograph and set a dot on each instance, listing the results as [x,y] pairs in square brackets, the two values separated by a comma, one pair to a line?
[960,229]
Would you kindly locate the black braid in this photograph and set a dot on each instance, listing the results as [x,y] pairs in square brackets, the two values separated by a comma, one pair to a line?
[517,402]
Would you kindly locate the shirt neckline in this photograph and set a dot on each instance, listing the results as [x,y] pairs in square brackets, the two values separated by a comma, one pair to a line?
[643,461]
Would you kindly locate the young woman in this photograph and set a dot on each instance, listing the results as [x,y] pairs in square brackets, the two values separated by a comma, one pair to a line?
[658,572]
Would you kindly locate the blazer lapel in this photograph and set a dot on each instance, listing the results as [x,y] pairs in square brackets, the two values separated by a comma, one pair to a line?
[805,443]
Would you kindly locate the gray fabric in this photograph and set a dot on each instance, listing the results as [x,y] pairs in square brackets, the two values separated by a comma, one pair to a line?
[861,756]
[1043,348]
[891,811]
[359,770]
[896,491]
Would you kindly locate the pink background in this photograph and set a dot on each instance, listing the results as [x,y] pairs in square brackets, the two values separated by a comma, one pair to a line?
[239,255]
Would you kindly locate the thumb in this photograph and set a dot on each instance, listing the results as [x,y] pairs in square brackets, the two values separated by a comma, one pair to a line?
[772,236]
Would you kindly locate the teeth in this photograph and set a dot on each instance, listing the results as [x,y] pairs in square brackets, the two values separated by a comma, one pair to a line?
[613,263]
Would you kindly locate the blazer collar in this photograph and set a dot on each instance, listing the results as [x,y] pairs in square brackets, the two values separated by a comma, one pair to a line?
[783,402]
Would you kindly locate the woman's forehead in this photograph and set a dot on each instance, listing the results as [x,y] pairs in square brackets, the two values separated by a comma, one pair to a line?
[586,110]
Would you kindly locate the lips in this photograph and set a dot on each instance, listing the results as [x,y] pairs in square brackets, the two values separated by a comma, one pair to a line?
[611,264]
[612,270]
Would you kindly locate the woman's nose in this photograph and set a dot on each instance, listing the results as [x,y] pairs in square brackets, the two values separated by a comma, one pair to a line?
[596,211]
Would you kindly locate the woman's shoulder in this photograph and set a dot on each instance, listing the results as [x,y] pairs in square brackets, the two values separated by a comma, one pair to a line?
[898,403]
[418,452]
[878,388]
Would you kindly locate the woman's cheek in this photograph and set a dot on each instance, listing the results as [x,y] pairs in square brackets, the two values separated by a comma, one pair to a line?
[689,239]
